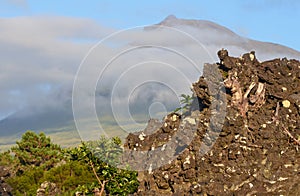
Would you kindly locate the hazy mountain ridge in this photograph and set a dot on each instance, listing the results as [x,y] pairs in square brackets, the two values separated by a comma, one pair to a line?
[245,43]
[213,37]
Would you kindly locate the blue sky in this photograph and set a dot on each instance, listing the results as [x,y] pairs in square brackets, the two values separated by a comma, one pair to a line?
[265,20]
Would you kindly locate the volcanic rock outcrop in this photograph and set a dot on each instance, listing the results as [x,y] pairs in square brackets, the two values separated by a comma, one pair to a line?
[241,135]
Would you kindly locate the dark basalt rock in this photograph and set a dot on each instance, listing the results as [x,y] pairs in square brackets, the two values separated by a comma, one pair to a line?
[257,150]
[5,189]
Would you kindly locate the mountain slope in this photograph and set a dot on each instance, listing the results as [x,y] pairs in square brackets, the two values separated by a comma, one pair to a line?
[211,35]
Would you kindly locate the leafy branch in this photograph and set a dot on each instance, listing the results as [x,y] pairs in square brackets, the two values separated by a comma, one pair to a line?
[185,102]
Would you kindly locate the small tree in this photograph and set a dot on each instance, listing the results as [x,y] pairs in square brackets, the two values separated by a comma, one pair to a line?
[102,156]
[185,102]
[37,150]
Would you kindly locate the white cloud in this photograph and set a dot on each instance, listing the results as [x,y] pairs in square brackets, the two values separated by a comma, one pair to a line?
[40,57]
[37,52]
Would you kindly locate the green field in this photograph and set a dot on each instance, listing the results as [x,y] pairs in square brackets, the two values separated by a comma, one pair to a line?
[68,136]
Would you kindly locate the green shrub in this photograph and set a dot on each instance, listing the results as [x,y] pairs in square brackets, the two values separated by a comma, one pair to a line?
[69,176]
[28,182]
[185,102]
[85,168]
[102,156]
[37,150]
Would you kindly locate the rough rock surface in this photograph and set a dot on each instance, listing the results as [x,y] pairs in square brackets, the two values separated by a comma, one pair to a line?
[256,150]
[5,189]
[48,189]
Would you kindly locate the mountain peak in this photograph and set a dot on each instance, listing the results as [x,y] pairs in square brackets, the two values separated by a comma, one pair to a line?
[170,18]
[173,21]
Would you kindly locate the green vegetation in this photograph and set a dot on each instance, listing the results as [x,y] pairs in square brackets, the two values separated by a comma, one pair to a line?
[84,169]
[36,150]
[186,102]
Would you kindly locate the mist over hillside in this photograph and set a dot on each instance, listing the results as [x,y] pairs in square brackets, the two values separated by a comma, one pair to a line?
[39,94]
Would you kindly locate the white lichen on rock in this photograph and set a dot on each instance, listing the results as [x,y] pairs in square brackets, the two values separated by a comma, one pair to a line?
[163,147]
[286,103]
[150,169]
[142,136]
[174,117]
[187,160]
[250,185]
[189,120]
[252,57]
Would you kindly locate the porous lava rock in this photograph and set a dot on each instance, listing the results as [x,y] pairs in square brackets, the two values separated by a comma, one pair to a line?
[256,150]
